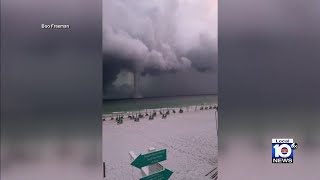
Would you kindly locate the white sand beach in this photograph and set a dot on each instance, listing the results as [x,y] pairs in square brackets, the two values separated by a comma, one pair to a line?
[190,139]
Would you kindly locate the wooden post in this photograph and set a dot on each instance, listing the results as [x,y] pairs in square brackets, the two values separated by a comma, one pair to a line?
[216,115]
[104,169]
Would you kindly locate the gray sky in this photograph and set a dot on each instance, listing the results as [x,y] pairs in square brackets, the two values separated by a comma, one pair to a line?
[168,44]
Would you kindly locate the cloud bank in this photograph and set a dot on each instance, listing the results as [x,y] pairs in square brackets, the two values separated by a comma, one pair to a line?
[158,36]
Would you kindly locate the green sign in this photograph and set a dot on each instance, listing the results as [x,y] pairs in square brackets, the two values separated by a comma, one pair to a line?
[150,158]
[162,175]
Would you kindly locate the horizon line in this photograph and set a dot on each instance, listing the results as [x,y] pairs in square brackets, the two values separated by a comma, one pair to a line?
[149,97]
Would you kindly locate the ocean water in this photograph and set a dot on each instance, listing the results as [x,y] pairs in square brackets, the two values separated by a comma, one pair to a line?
[159,102]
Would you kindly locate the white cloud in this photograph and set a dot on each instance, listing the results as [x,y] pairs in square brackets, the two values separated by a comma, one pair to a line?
[159,34]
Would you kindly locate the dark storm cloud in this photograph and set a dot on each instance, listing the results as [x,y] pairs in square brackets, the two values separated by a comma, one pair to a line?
[191,82]
[205,55]
[153,37]
[112,65]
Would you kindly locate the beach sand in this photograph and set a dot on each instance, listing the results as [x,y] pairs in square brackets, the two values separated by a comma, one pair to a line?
[190,139]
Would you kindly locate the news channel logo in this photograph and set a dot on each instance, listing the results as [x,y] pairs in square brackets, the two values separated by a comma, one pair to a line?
[282,150]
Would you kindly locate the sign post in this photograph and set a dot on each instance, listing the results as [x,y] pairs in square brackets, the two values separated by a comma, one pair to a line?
[154,170]
[150,158]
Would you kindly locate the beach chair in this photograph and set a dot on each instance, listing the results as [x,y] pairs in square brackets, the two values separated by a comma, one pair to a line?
[136,119]
[140,115]
[119,121]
